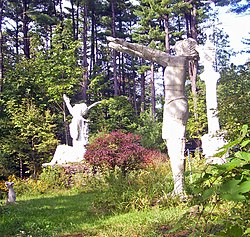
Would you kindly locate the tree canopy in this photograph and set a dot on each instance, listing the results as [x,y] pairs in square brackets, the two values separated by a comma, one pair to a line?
[50,48]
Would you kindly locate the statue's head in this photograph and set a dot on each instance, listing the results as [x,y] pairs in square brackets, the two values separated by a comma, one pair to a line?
[80,109]
[186,47]
[9,184]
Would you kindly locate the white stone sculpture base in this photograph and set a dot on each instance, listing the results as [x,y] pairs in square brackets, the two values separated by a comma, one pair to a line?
[66,154]
[210,146]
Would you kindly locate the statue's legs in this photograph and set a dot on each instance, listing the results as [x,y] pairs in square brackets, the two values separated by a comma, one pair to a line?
[177,160]
[173,131]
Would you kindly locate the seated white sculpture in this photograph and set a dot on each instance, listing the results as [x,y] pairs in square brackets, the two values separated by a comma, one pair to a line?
[79,133]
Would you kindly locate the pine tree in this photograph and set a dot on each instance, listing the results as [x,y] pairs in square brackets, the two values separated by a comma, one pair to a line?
[1,52]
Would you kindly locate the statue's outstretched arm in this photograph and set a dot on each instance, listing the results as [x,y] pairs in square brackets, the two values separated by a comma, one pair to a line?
[145,52]
[94,104]
[67,102]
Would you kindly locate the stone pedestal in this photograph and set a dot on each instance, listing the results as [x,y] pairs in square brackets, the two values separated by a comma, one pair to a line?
[210,146]
[66,154]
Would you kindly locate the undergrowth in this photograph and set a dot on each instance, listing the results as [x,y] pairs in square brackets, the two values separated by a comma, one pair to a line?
[221,193]
[216,204]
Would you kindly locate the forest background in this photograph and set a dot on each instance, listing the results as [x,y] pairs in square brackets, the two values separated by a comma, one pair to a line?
[47,50]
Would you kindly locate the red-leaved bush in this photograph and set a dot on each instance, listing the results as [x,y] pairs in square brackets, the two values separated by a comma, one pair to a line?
[118,149]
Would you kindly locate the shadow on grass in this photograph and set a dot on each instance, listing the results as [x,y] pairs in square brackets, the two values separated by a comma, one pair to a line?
[74,215]
[48,216]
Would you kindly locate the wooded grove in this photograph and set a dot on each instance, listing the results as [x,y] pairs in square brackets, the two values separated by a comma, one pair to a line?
[53,47]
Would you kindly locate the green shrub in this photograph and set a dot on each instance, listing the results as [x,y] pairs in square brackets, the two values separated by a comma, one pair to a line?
[73,177]
[139,189]
[150,131]
[225,184]
[113,114]
[53,177]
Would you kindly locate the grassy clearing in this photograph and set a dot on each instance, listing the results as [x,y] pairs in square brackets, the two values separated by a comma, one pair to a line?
[73,214]
[109,204]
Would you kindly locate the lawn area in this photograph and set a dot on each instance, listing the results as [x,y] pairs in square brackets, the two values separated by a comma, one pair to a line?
[71,214]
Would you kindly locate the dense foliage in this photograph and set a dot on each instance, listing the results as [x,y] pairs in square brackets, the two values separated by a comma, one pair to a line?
[52,48]
[150,131]
[117,149]
[229,182]
[113,114]
[234,99]
[197,124]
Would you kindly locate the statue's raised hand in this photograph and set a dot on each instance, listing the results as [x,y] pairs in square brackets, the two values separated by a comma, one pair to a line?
[66,98]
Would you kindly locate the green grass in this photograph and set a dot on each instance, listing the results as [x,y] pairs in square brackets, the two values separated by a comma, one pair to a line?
[112,205]
[68,214]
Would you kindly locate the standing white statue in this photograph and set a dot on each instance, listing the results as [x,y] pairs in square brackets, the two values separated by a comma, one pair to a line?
[211,141]
[176,105]
[79,133]
[175,113]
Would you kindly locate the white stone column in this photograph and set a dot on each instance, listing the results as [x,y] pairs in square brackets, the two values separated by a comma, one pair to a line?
[213,140]
[210,77]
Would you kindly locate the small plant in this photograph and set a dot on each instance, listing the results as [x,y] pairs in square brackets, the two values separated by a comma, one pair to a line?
[225,184]
[118,149]
[138,190]
[150,130]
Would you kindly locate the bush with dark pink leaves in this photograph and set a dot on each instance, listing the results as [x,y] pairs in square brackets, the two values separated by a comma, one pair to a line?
[118,149]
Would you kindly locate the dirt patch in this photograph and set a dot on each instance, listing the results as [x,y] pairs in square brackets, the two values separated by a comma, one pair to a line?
[166,232]
[73,235]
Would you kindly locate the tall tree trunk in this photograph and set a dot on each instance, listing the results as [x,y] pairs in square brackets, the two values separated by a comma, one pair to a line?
[77,18]
[152,85]
[17,37]
[25,19]
[166,29]
[122,76]
[193,64]
[143,107]
[167,43]
[73,19]
[61,11]
[134,87]
[193,70]
[187,18]
[193,22]
[93,36]
[1,51]
[113,30]
[85,60]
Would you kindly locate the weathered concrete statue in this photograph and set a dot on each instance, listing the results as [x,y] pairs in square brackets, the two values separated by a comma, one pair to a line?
[11,193]
[176,106]
[79,131]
